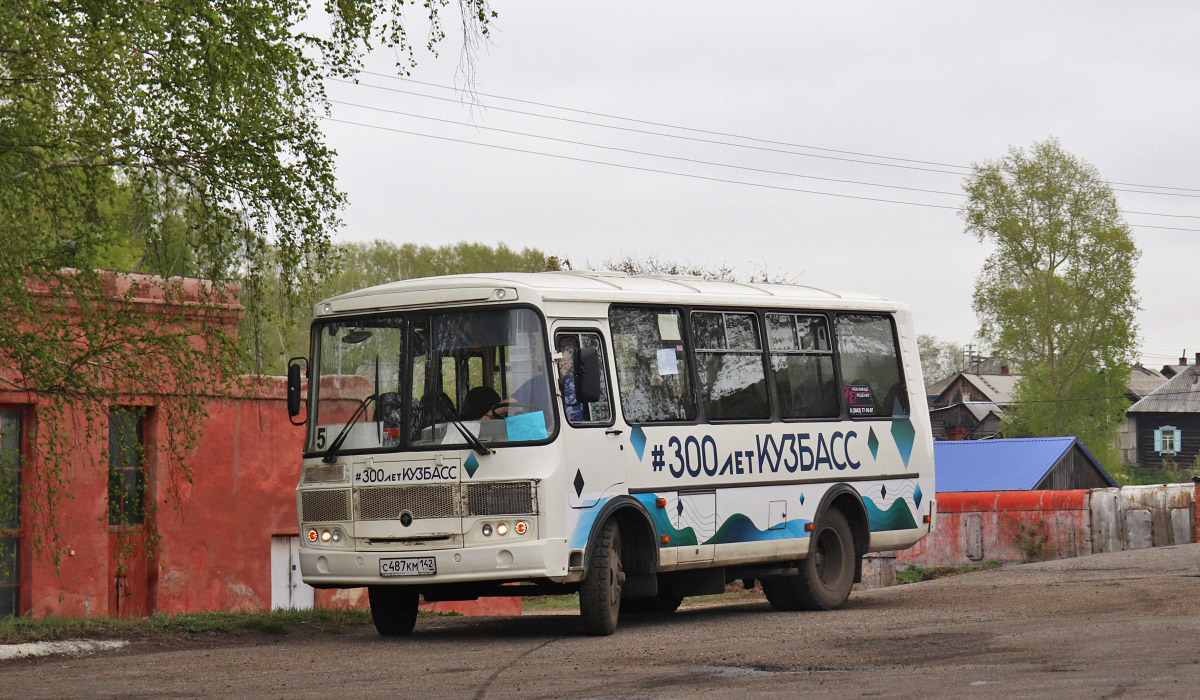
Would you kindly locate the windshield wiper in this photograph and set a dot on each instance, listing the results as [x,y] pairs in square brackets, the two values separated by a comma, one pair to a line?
[473,441]
[331,453]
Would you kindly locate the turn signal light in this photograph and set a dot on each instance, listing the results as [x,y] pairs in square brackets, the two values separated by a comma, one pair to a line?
[660,503]
[928,518]
[666,539]
[521,527]
[312,535]
[809,527]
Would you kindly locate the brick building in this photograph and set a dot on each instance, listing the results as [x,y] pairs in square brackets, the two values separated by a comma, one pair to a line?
[127,550]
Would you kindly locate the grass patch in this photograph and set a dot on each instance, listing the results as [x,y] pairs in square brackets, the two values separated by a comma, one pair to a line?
[161,626]
[550,602]
[915,574]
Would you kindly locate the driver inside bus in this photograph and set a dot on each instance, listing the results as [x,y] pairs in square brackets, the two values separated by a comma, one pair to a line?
[535,392]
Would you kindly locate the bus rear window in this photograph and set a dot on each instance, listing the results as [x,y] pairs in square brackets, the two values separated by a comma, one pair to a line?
[652,371]
[872,383]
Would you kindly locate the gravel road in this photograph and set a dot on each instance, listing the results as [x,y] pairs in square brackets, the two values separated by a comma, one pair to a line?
[1125,624]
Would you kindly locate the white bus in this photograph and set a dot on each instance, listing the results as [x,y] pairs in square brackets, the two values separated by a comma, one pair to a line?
[633,439]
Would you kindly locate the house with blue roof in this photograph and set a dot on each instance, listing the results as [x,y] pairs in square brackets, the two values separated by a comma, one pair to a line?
[1017,464]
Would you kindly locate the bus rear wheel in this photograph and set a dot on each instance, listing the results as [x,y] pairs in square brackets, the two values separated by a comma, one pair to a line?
[393,609]
[600,590]
[826,575]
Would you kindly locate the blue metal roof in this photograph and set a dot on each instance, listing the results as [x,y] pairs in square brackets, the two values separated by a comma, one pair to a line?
[1011,464]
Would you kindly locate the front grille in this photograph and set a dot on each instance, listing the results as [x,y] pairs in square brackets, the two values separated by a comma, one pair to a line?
[324,473]
[425,501]
[325,506]
[499,498]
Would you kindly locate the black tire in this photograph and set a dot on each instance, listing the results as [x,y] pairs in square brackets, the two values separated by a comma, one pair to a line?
[779,592]
[826,574]
[664,603]
[393,609]
[600,590]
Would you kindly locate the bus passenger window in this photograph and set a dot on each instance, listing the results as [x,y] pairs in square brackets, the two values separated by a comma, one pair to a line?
[802,366]
[652,371]
[595,413]
[870,363]
[729,364]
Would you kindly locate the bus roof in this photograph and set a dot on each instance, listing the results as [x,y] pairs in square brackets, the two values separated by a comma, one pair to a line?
[600,286]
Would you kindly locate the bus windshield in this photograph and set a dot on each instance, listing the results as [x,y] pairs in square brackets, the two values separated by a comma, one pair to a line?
[420,379]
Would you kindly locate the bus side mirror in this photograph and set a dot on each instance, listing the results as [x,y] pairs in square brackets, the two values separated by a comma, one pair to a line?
[587,376]
[293,388]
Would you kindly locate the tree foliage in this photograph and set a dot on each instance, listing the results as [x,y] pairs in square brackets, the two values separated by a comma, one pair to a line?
[1057,293]
[654,265]
[939,359]
[281,333]
[176,137]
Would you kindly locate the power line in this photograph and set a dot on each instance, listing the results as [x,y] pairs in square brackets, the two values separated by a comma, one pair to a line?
[679,174]
[671,126]
[648,153]
[643,169]
[689,160]
[654,133]
[733,135]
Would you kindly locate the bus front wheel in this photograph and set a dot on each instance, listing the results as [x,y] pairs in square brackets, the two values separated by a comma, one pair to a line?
[826,574]
[393,609]
[600,590]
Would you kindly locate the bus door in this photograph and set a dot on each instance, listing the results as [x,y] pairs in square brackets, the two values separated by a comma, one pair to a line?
[591,443]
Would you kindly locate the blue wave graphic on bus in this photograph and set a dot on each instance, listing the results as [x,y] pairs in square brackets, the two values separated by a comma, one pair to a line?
[739,528]
[662,524]
[583,528]
[897,517]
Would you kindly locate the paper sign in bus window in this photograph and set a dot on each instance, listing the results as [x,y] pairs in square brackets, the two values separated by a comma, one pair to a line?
[668,328]
[526,427]
[668,363]
[858,397]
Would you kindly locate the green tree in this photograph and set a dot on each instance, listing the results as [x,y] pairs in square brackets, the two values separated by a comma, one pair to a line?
[177,137]
[1057,294]
[270,339]
[939,359]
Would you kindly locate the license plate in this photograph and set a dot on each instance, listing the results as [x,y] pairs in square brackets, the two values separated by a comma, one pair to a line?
[413,566]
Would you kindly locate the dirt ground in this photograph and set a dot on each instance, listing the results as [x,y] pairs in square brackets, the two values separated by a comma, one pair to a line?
[1125,624]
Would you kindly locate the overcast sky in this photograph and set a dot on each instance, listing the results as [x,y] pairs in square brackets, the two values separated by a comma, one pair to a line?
[949,83]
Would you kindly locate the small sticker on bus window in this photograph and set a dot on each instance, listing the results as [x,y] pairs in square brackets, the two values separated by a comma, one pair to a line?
[858,397]
[668,363]
[668,328]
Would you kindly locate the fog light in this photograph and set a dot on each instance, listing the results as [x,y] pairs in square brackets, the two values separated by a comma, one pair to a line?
[337,535]
[502,529]
[312,535]
[325,535]
[521,527]
[487,530]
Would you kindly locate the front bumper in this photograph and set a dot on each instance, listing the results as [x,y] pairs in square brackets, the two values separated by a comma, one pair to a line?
[506,562]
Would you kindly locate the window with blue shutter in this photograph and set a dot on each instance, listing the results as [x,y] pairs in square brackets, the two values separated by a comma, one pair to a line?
[1167,440]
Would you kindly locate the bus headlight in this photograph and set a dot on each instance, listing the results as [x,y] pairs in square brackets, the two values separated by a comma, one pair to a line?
[502,529]
[487,530]
[326,535]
